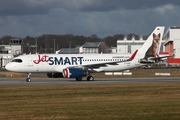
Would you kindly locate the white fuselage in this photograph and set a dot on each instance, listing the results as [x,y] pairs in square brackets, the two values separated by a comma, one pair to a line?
[45,63]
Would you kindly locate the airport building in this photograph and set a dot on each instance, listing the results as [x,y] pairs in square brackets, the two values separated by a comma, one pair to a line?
[15,47]
[87,48]
[7,52]
[172,41]
[172,44]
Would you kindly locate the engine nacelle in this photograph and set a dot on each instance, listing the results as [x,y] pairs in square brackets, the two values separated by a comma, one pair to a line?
[55,75]
[74,73]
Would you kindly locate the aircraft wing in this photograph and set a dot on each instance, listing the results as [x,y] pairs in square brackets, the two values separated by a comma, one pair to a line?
[98,65]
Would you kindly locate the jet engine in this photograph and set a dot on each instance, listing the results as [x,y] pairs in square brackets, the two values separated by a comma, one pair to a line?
[55,75]
[73,73]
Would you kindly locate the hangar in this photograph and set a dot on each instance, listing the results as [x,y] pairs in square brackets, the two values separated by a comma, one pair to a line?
[172,44]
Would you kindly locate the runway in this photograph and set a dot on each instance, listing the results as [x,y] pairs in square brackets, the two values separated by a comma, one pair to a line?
[63,81]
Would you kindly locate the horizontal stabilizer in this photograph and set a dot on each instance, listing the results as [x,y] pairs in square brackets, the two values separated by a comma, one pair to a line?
[147,62]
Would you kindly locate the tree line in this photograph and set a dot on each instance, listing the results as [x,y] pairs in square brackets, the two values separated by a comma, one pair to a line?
[47,42]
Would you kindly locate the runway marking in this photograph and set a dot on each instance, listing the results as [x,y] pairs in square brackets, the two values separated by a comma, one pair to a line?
[13,75]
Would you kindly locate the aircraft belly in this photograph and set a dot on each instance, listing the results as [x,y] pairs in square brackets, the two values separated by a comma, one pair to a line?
[36,68]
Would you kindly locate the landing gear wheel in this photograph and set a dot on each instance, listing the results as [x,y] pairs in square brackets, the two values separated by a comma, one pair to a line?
[28,79]
[90,78]
[79,79]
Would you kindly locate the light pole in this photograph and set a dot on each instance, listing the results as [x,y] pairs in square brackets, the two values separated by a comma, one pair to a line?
[54,44]
[45,48]
[57,47]
[69,45]
[36,46]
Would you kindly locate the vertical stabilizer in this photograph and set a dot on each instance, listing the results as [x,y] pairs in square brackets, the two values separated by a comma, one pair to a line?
[152,45]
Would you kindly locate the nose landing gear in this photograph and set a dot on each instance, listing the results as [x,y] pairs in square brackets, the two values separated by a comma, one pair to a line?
[28,79]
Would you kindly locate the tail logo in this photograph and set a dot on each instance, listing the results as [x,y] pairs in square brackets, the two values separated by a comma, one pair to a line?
[153,49]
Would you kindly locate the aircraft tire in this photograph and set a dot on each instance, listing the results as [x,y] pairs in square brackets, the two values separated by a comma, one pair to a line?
[28,79]
[79,79]
[90,78]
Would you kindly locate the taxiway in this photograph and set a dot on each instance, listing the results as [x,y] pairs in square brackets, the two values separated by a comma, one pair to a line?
[53,81]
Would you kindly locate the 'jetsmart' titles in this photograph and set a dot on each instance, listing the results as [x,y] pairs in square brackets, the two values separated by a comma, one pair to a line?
[59,60]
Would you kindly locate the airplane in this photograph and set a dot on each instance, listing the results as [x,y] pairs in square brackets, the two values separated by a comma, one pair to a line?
[80,65]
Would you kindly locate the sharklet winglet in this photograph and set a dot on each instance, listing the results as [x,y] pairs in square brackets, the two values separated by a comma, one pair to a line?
[133,55]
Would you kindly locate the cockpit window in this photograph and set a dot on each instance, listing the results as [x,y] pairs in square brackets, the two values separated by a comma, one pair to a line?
[17,60]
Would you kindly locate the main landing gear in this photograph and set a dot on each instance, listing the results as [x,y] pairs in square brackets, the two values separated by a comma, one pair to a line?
[28,79]
[89,78]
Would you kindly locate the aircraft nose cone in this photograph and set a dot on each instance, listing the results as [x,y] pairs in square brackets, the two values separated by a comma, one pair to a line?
[8,67]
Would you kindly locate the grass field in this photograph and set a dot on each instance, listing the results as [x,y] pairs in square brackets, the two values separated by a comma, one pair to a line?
[143,101]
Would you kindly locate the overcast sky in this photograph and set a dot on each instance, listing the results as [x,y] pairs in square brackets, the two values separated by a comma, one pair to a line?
[21,18]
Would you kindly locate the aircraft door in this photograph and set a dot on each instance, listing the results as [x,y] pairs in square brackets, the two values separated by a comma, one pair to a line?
[30,62]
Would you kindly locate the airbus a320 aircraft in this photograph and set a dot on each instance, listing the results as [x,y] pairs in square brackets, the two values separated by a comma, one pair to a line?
[80,65]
